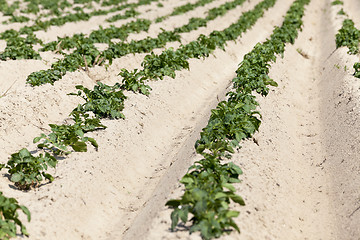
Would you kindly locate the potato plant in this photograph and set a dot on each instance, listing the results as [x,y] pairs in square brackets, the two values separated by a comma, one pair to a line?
[104,101]
[9,218]
[27,170]
[349,36]
[70,135]
[102,35]
[357,69]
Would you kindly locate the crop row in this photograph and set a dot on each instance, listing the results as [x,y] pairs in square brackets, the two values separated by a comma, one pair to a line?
[27,170]
[349,36]
[94,37]
[86,50]
[208,182]
[48,8]
[184,8]
[19,47]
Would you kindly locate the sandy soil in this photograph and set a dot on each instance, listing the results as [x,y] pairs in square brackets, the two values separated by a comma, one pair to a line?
[300,180]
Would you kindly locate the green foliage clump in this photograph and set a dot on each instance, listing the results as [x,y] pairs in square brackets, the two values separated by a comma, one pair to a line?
[357,70]
[348,36]
[183,9]
[337,2]
[27,170]
[341,12]
[72,135]
[19,47]
[189,6]
[9,219]
[104,101]
[128,14]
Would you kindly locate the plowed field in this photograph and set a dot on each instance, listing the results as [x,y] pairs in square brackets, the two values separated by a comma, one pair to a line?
[301,170]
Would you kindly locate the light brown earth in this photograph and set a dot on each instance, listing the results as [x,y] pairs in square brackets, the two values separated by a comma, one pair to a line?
[301,181]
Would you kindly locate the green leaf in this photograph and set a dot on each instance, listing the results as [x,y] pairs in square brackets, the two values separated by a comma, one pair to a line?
[220,195]
[231,214]
[49,177]
[27,212]
[237,199]
[174,218]
[37,139]
[174,203]
[79,147]
[235,168]
[24,153]
[233,224]
[229,186]
[79,132]
[200,148]
[187,180]
[183,214]
[93,142]
[230,149]
[16,177]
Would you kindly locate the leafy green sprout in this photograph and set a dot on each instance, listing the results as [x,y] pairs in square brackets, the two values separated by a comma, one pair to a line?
[342,12]
[27,170]
[357,69]
[9,218]
[337,2]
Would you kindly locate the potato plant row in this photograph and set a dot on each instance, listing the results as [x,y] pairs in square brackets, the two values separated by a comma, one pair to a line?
[28,170]
[63,17]
[22,47]
[86,54]
[19,47]
[184,8]
[349,36]
[48,8]
[208,182]
[68,42]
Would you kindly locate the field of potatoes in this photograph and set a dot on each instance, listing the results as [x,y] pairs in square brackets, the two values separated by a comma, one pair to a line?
[189,119]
